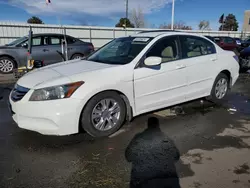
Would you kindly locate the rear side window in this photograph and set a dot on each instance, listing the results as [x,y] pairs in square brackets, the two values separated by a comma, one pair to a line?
[196,46]
[228,40]
[166,48]
[55,40]
[70,40]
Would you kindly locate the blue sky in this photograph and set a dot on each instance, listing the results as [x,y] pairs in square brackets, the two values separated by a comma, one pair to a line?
[108,12]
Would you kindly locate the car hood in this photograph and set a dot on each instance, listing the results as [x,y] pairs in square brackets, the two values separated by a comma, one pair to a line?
[74,67]
[59,73]
[8,47]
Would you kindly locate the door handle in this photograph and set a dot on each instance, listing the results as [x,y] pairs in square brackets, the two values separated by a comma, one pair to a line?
[45,50]
[180,66]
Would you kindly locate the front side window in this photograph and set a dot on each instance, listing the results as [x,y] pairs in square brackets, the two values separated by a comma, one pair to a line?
[166,48]
[37,41]
[196,46]
[120,51]
[70,40]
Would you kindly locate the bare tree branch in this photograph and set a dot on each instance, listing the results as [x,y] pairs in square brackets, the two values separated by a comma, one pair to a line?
[137,18]
[178,25]
[204,25]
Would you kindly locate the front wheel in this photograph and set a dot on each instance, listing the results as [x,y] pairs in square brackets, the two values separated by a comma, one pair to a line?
[7,65]
[220,88]
[104,114]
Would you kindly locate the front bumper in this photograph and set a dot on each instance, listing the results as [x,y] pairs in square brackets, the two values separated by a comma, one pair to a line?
[55,117]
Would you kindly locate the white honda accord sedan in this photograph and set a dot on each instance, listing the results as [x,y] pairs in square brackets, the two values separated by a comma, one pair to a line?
[125,78]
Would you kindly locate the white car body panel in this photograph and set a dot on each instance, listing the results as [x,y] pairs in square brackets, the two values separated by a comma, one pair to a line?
[146,89]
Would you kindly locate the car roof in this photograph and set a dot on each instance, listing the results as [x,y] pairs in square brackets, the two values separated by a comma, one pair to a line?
[165,33]
[48,34]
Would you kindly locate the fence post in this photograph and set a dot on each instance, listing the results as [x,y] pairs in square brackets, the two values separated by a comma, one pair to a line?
[90,35]
[114,33]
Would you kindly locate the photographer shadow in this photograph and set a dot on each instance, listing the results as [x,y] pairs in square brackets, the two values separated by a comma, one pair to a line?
[153,156]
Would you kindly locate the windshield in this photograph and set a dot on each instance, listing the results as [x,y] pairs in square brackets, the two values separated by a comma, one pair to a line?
[120,51]
[17,41]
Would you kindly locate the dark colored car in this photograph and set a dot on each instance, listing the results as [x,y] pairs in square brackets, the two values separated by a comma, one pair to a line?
[226,43]
[245,43]
[45,47]
[244,59]
[238,41]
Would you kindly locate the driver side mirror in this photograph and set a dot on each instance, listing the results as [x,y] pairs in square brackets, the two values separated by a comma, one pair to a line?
[152,61]
[24,45]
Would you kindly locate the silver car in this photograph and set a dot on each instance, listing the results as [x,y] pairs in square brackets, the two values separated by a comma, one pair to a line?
[45,47]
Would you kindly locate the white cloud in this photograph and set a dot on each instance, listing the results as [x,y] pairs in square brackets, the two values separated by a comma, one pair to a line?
[94,7]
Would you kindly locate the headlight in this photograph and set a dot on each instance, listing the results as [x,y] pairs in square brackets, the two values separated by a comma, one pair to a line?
[55,92]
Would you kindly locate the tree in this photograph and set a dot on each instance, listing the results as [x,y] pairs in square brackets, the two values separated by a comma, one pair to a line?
[178,25]
[35,20]
[137,18]
[230,24]
[204,25]
[124,21]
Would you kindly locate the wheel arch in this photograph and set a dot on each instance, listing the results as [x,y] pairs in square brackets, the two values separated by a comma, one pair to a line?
[229,75]
[11,57]
[129,108]
[80,53]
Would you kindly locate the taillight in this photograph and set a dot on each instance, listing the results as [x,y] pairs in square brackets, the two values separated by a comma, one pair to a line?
[91,47]
[236,58]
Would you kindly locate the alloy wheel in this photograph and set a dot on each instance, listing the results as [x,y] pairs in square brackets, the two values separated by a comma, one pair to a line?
[221,88]
[6,66]
[106,114]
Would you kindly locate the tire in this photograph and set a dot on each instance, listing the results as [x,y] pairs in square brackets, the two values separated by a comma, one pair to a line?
[93,125]
[7,65]
[77,56]
[243,68]
[215,96]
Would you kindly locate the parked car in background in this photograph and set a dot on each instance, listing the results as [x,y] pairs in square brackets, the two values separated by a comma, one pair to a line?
[125,78]
[226,43]
[45,47]
[238,41]
[245,43]
[244,59]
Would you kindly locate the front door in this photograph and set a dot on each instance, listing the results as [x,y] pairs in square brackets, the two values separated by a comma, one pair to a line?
[199,57]
[163,85]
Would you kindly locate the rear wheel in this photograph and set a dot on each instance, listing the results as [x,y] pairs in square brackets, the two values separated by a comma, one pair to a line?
[220,88]
[104,114]
[7,65]
[77,56]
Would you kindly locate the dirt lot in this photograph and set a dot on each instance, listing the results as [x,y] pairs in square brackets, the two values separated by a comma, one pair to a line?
[213,141]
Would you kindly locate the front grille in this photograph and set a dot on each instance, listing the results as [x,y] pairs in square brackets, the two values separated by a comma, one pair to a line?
[18,93]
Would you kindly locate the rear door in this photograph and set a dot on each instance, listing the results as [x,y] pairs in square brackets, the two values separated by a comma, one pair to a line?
[199,57]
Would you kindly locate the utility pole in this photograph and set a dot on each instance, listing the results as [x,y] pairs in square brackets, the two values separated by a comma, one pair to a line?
[125,24]
[172,23]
